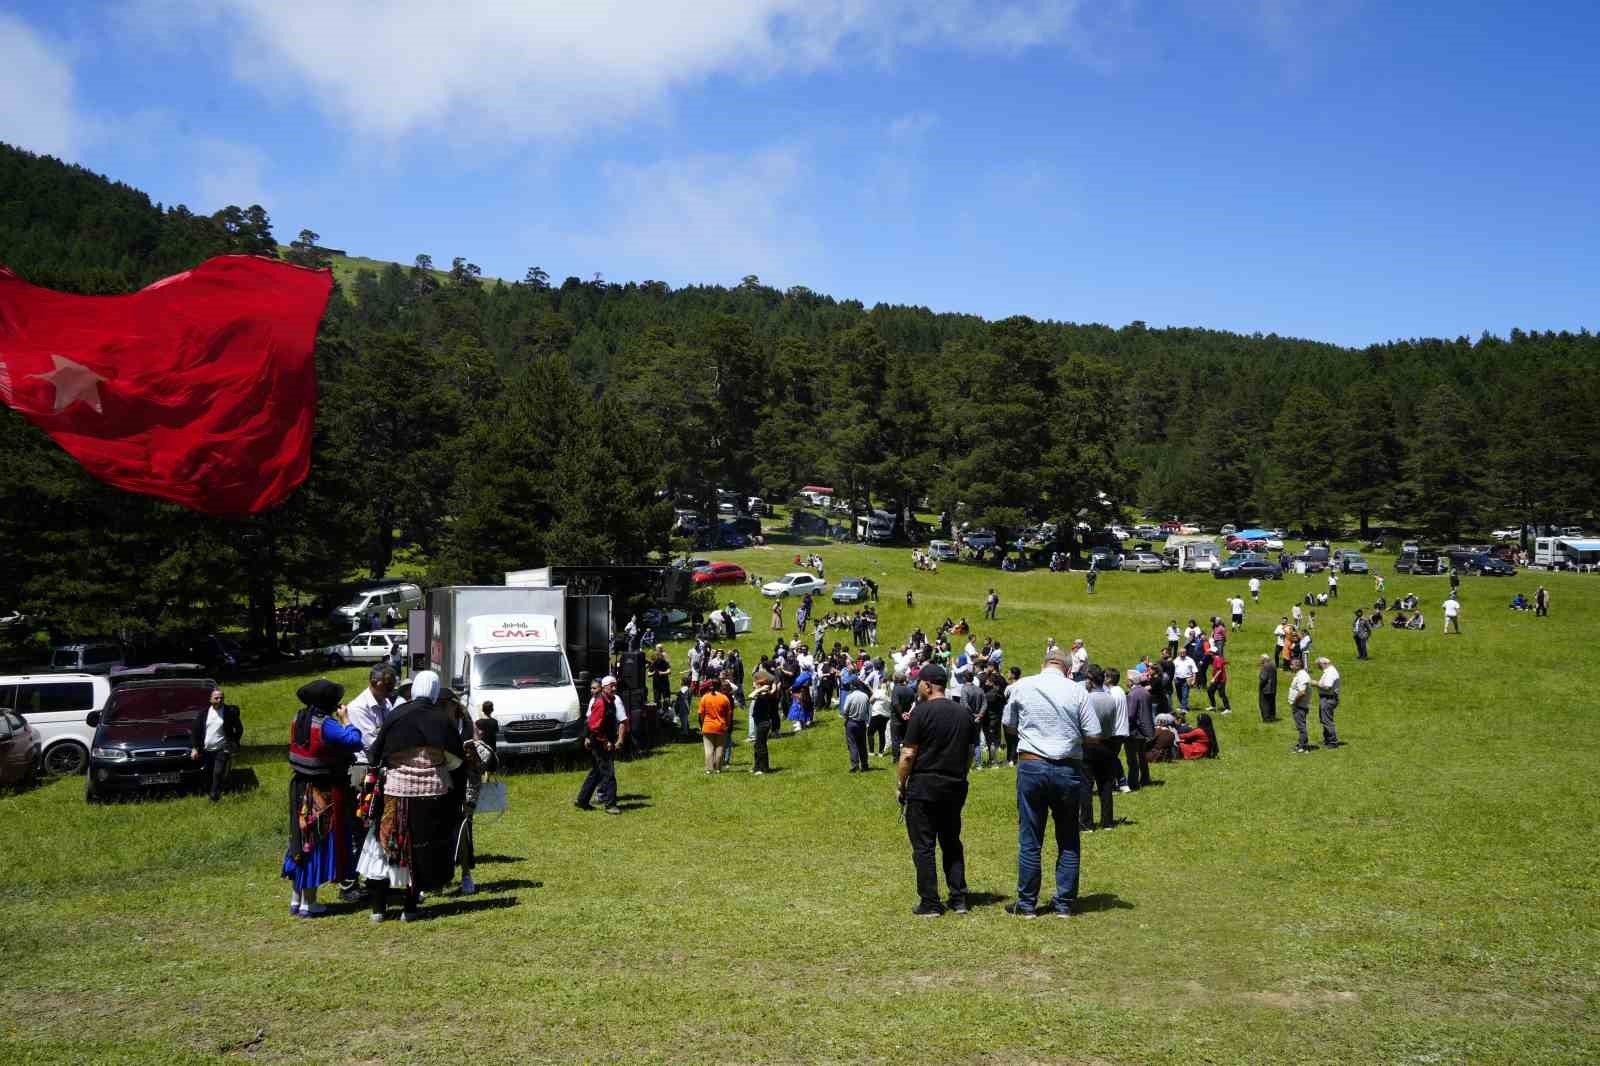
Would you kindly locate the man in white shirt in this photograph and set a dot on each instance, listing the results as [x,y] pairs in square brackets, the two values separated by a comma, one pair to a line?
[1255,589]
[1333,584]
[1279,631]
[1294,613]
[1183,673]
[1452,615]
[213,738]
[1080,660]
[367,713]
[1300,702]
[1327,701]
[1236,605]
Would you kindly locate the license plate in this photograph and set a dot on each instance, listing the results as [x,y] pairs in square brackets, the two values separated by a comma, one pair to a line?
[158,779]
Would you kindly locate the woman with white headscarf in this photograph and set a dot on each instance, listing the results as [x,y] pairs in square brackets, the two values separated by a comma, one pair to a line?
[412,841]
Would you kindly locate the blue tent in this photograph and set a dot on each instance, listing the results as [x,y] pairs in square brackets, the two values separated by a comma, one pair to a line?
[1253,534]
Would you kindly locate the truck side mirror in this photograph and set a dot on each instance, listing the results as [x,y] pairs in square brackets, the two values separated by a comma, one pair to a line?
[93,720]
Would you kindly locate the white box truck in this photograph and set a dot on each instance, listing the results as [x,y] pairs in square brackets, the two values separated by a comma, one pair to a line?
[507,645]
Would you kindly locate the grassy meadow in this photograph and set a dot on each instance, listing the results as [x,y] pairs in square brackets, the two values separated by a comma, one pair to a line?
[1425,894]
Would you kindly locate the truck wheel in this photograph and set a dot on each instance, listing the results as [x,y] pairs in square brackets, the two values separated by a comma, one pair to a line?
[335,661]
[66,759]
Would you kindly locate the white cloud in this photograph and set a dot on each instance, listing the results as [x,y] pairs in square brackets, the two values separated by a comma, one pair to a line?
[703,217]
[521,70]
[227,173]
[37,107]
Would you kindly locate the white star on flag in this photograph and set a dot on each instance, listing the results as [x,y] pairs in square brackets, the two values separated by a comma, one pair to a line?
[73,382]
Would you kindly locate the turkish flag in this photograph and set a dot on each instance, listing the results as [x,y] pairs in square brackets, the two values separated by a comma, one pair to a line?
[199,389]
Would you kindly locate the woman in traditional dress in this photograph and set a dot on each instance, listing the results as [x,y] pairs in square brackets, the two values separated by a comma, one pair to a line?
[322,744]
[412,842]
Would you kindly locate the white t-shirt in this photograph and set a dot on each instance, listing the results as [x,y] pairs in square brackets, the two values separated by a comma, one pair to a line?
[1329,678]
[1300,686]
[1451,607]
[1183,668]
[1255,584]
[1237,604]
[216,740]
[1295,614]
[1080,659]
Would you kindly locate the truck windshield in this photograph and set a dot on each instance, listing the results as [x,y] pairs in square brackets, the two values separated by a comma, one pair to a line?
[521,669]
[61,659]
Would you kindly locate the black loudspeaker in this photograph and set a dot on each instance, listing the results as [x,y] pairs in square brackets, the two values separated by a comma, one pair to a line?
[632,670]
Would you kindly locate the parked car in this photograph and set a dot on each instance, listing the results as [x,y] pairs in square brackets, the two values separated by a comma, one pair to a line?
[20,750]
[1249,567]
[1103,558]
[1143,562]
[373,647]
[979,539]
[141,739]
[88,658]
[402,596]
[850,590]
[1486,565]
[1229,528]
[1353,562]
[1511,533]
[1417,561]
[1239,544]
[58,706]
[943,551]
[796,584]
[721,574]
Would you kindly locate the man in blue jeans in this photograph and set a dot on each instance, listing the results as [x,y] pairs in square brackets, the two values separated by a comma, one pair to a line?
[1049,714]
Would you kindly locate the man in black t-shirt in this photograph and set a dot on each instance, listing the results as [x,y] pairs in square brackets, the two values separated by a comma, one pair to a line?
[932,771]
[901,699]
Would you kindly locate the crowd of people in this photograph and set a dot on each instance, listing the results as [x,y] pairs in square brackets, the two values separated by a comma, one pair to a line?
[382,795]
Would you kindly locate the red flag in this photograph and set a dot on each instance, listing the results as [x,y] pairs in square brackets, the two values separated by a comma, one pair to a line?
[199,389]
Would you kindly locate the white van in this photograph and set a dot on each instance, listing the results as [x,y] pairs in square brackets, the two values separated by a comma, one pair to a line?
[402,596]
[519,663]
[58,706]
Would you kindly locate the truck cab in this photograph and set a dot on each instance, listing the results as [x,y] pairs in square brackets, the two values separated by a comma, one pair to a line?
[518,662]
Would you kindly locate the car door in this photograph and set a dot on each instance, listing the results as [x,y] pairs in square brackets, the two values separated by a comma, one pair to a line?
[13,748]
[359,648]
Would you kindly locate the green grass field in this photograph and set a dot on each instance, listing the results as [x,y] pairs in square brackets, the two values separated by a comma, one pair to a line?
[1425,894]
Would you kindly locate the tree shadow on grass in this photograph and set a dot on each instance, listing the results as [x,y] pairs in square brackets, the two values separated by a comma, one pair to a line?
[457,906]
[1100,901]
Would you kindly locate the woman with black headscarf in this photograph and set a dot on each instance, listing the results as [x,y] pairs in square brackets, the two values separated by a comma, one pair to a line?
[413,837]
[322,744]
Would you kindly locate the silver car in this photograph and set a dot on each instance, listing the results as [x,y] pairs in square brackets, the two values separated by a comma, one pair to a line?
[1143,562]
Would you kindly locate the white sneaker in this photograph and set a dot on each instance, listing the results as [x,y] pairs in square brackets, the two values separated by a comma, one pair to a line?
[1124,788]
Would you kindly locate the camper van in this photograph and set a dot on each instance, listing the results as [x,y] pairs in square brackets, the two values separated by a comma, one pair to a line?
[1192,553]
[1566,553]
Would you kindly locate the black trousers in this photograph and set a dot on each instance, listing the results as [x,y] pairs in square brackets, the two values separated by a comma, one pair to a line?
[876,728]
[661,690]
[1361,648]
[1101,762]
[1011,747]
[1269,706]
[1218,688]
[937,820]
[1325,709]
[1138,769]
[897,729]
[763,731]
[217,764]
[602,776]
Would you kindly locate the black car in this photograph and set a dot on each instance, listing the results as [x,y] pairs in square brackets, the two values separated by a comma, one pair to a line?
[1487,565]
[142,737]
[1250,567]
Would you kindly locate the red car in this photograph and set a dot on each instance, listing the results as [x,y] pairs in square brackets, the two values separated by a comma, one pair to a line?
[720,574]
[1239,544]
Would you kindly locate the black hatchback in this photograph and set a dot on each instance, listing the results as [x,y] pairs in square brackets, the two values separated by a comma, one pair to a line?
[142,737]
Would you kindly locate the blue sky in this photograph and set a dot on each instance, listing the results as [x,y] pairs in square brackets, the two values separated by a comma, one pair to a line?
[1343,170]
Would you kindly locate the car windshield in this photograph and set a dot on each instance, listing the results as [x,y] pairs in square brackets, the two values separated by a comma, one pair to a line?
[59,659]
[520,669]
[153,706]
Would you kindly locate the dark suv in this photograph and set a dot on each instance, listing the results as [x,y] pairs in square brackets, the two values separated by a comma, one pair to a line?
[142,737]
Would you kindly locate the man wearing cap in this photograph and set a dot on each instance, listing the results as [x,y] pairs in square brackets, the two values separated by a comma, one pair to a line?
[932,785]
[606,729]
[1050,716]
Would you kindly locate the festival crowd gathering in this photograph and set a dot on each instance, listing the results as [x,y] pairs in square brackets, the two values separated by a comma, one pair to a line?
[383,793]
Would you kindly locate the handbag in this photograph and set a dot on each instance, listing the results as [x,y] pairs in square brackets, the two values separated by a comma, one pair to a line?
[492,798]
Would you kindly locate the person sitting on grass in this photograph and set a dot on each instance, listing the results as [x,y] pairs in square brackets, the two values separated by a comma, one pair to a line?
[1164,745]
[1201,741]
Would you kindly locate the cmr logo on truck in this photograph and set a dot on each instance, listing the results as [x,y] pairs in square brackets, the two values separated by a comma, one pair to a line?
[517,631]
